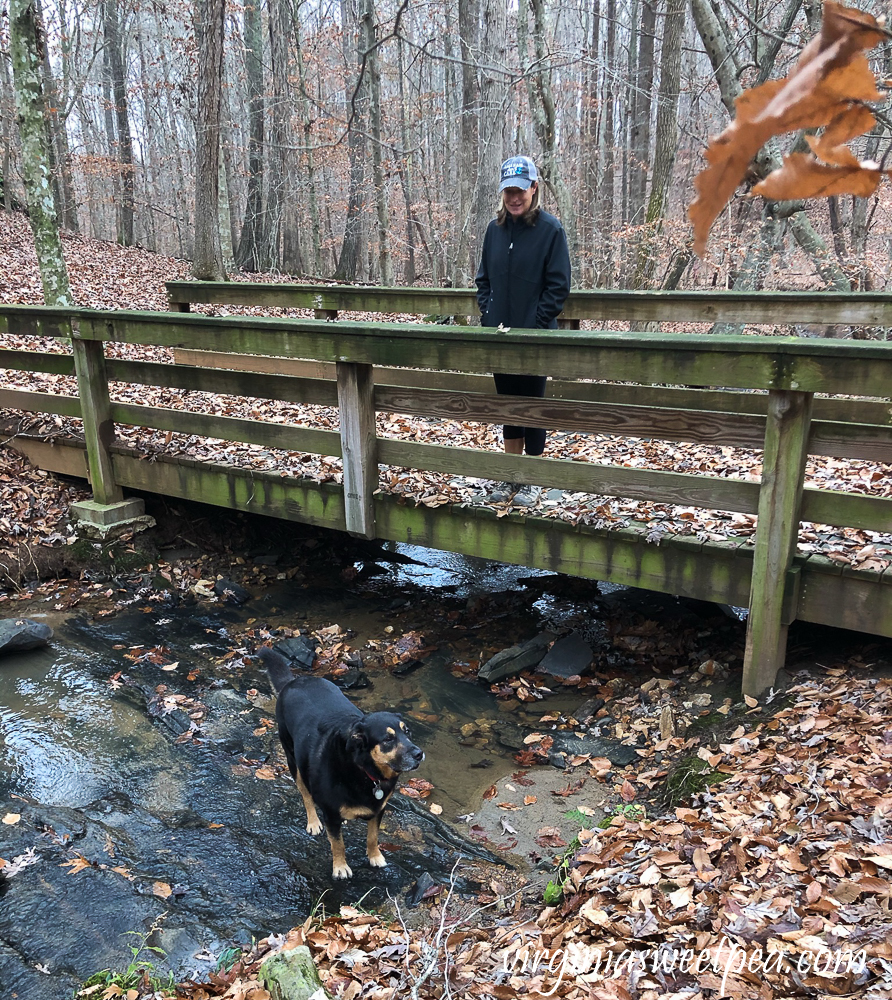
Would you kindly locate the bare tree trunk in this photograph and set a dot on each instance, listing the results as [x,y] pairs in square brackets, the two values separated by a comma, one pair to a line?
[592,162]
[544,115]
[26,42]
[114,46]
[181,209]
[492,147]
[666,141]
[252,252]
[465,265]
[368,33]
[7,106]
[349,262]
[605,254]
[207,263]
[640,125]
[280,170]
[58,147]
[405,166]
[310,159]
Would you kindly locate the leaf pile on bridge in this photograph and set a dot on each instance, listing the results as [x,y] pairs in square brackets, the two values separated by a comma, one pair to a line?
[106,276]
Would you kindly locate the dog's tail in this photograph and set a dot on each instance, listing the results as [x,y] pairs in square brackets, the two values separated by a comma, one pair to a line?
[276,667]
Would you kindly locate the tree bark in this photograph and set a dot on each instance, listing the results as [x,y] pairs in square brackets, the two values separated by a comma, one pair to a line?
[309,157]
[207,263]
[253,247]
[492,148]
[604,258]
[368,34]
[114,46]
[465,264]
[7,99]
[26,44]
[281,174]
[592,164]
[544,115]
[354,103]
[59,149]
[640,125]
[666,141]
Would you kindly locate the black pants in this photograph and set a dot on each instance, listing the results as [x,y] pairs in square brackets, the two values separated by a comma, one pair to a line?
[523,385]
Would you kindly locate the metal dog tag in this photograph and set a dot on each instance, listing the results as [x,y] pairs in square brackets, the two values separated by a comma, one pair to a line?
[379,793]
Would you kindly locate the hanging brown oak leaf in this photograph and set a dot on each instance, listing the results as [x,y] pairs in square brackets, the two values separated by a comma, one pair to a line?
[801,176]
[828,80]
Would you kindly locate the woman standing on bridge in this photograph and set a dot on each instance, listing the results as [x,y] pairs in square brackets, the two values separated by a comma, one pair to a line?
[522,281]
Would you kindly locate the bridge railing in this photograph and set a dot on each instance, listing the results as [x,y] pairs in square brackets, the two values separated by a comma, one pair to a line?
[373,367]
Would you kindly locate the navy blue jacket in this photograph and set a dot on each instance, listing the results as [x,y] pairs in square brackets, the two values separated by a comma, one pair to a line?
[524,274]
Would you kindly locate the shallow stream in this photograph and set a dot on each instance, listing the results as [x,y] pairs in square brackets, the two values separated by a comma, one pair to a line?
[139,799]
[143,793]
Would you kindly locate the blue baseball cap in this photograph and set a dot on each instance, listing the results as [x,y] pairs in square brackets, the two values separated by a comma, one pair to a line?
[518,172]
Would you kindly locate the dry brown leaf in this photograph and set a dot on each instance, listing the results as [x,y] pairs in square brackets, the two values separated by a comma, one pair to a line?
[853,122]
[161,889]
[801,176]
[76,864]
[829,77]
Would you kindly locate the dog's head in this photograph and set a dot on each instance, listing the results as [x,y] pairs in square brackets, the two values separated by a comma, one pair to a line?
[383,739]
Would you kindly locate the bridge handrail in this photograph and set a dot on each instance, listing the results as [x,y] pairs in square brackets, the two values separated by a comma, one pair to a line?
[776,308]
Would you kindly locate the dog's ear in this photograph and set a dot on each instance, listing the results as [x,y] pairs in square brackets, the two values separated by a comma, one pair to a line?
[359,738]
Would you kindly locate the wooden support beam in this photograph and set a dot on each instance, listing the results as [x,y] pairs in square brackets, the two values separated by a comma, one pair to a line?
[99,429]
[780,498]
[356,400]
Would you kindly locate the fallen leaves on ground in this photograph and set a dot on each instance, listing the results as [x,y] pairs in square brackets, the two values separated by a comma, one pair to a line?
[767,877]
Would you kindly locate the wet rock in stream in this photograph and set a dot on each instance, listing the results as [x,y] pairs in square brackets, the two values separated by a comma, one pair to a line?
[299,650]
[515,659]
[568,657]
[23,633]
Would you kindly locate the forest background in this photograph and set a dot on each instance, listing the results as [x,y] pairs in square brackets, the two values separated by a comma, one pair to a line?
[360,139]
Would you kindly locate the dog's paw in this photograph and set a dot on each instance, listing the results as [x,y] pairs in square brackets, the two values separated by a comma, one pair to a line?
[314,828]
[344,871]
[377,860]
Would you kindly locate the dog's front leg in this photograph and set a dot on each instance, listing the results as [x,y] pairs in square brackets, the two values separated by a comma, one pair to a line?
[339,866]
[376,858]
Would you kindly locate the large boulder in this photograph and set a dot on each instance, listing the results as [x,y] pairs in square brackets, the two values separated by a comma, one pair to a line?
[22,633]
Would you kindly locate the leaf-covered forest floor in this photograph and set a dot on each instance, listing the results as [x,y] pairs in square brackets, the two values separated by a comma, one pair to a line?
[750,850]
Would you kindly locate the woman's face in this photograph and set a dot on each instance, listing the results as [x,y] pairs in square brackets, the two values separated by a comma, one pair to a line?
[517,201]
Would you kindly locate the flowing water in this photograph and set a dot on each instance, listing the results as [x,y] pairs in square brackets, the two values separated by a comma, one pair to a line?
[173,828]
[144,804]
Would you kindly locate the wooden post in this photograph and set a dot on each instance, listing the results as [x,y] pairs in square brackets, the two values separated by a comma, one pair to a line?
[99,429]
[783,471]
[356,400]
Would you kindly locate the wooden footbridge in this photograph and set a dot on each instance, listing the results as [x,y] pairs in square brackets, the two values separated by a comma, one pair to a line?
[785,396]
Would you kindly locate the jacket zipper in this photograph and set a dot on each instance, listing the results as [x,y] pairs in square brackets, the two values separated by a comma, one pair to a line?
[510,248]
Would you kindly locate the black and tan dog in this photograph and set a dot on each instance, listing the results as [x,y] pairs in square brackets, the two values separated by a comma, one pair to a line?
[345,763]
